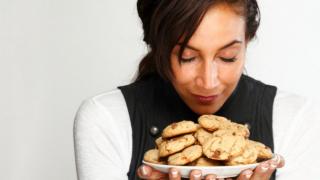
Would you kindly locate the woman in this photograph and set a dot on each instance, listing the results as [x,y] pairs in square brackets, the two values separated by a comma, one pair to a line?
[194,66]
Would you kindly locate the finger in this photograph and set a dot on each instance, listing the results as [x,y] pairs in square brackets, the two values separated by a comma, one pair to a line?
[195,175]
[260,171]
[277,161]
[245,175]
[263,171]
[211,177]
[174,174]
[281,161]
[146,172]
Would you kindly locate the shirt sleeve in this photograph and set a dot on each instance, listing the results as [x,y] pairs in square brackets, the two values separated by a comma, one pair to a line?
[296,136]
[102,140]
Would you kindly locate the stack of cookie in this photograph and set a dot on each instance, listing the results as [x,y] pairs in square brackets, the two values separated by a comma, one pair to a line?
[215,141]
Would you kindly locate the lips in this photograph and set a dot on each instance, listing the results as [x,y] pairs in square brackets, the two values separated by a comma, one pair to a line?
[206,99]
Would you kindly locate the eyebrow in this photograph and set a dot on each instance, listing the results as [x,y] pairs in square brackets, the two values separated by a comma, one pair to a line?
[223,47]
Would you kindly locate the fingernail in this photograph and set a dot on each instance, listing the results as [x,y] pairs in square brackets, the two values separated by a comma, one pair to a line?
[196,176]
[276,158]
[273,165]
[144,171]
[174,173]
[247,174]
[275,161]
[212,178]
[264,167]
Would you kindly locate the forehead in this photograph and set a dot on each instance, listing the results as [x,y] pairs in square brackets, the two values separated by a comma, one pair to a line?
[219,26]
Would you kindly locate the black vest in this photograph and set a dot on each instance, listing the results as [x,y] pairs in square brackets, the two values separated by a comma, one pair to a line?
[154,102]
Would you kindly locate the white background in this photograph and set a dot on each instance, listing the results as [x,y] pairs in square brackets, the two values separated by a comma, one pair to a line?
[54,54]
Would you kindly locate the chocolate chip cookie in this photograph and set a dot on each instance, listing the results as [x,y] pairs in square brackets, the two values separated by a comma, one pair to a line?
[179,128]
[171,146]
[186,156]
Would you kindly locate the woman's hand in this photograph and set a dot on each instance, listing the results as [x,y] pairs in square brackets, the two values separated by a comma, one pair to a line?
[264,170]
[146,172]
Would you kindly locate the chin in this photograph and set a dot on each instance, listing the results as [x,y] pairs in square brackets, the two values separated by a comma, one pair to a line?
[203,111]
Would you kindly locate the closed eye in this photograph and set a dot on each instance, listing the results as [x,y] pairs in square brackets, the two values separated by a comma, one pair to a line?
[186,60]
[228,59]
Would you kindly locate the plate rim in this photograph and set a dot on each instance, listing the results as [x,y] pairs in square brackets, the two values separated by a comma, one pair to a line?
[201,167]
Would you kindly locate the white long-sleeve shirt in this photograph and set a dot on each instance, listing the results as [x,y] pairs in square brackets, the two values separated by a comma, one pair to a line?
[103,137]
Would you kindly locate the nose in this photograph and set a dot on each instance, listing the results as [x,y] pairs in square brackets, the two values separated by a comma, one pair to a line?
[208,75]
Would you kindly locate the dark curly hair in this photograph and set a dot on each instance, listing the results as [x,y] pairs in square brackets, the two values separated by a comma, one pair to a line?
[165,22]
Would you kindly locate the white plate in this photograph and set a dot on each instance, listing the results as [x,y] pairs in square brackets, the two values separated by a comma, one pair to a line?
[220,171]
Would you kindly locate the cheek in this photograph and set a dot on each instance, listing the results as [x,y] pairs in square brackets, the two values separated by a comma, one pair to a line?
[230,75]
[184,73]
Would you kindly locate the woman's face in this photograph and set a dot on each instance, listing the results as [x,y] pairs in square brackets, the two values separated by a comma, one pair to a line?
[212,62]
